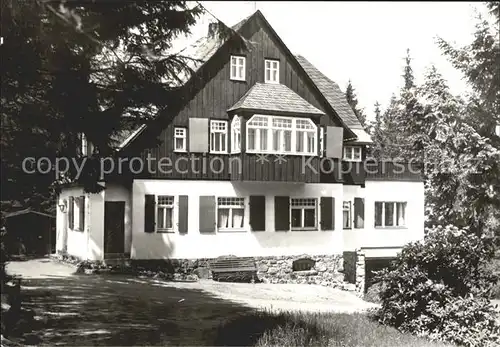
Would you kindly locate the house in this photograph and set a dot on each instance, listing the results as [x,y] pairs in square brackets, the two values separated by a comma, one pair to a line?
[29,232]
[262,157]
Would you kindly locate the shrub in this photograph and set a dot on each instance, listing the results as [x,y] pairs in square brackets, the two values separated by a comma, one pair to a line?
[373,293]
[438,288]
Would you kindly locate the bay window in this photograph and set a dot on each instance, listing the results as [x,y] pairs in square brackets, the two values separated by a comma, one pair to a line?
[236,135]
[281,135]
[390,214]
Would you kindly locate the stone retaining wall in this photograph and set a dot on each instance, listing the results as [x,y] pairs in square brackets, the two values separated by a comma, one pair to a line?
[328,270]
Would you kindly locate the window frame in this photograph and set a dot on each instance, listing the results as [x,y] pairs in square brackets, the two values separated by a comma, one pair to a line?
[173,205]
[236,130]
[395,215]
[225,132]
[84,145]
[347,208]
[183,137]
[271,70]
[239,59]
[273,126]
[303,208]
[231,207]
[352,158]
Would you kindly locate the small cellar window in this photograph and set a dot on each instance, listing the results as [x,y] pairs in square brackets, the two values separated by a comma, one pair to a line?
[303,264]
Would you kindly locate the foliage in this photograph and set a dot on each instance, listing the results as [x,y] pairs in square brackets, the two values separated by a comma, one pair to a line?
[313,329]
[85,67]
[439,288]
[453,136]
[352,100]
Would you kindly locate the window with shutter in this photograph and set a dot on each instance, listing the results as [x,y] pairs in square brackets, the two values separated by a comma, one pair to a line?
[207,214]
[183,214]
[149,213]
[359,213]
[81,207]
[327,213]
[334,140]
[71,212]
[281,213]
[258,212]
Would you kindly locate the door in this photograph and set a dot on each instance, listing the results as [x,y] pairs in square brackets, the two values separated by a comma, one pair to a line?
[114,228]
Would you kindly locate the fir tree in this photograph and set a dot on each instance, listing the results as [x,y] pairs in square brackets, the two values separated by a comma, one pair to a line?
[353,102]
[79,67]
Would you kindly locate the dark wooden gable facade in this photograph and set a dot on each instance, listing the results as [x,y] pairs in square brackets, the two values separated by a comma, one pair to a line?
[211,92]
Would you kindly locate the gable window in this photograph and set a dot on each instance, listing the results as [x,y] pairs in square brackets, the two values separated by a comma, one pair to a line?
[218,136]
[238,68]
[272,71]
[390,214]
[352,153]
[230,213]
[180,140]
[281,135]
[303,213]
[236,135]
[165,213]
[346,213]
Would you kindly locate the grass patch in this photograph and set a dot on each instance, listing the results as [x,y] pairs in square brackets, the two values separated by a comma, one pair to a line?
[314,329]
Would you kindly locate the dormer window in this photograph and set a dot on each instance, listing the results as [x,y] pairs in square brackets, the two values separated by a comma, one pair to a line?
[272,71]
[238,65]
[352,153]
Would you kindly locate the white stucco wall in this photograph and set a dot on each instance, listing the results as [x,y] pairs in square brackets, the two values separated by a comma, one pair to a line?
[193,244]
[86,244]
[243,243]
[410,192]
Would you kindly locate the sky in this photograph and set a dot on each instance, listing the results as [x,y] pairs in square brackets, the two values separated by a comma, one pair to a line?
[365,42]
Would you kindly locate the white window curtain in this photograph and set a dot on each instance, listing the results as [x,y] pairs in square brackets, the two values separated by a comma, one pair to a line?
[230,213]
[281,135]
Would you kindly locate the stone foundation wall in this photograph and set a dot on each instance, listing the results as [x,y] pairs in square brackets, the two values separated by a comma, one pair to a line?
[327,271]
[360,273]
[350,266]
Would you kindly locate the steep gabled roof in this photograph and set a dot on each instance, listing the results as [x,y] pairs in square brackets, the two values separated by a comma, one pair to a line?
[274,97]
[26,211]
[336,98]
[205,48]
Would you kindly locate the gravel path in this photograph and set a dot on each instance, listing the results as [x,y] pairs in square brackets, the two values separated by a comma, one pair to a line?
[288,297]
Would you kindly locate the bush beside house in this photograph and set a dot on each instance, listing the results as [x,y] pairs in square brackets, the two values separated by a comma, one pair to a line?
[439,288]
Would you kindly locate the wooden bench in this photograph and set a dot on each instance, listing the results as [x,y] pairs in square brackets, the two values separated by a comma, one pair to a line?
[233,268]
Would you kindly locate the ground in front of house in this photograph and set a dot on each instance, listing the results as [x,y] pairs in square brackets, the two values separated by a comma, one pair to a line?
[115,310]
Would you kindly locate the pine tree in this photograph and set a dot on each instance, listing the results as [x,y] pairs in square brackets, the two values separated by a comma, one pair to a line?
[353,102]
[79,67]
[476,143]
[376,132]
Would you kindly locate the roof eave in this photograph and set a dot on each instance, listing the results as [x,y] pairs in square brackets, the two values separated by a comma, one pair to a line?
[274,112]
